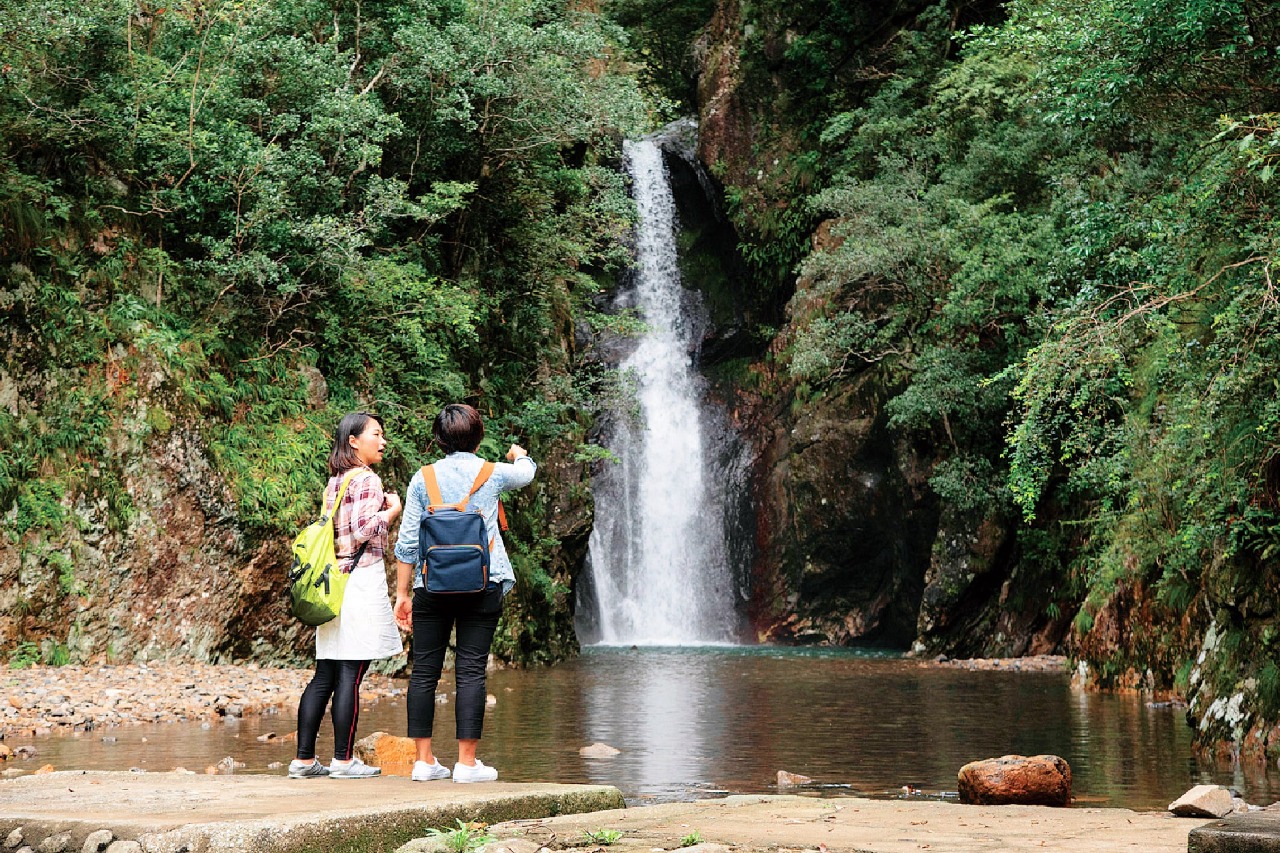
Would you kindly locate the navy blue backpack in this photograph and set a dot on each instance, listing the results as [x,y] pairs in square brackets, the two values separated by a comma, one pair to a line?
[453,544]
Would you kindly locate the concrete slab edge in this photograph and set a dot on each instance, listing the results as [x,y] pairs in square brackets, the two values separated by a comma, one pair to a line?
[365,831]
[1251,833]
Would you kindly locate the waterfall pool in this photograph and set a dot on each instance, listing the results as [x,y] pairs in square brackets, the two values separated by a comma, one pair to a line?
[704,721]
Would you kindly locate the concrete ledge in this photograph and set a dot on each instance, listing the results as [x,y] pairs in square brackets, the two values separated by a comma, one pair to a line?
[1257,832]
[179,813]
[778,824]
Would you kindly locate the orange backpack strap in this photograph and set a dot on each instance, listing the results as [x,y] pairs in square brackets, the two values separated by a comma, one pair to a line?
[434,498]
[486,471]
[502,518]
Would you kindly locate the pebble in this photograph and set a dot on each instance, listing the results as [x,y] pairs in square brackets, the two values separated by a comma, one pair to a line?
[39,697]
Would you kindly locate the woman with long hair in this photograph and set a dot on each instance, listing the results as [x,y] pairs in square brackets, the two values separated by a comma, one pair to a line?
[431,616]
[364,629]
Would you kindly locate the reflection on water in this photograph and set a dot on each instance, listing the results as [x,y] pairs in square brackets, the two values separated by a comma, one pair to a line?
[694,721]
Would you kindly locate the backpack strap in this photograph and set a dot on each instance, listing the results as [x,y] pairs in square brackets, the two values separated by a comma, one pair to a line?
[486,471]
[434,496]
[502,517]
[327,515]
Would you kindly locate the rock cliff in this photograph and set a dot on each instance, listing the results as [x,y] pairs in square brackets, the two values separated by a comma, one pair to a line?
[852,546]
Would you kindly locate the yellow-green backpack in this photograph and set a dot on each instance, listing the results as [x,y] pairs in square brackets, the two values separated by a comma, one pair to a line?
[315,584]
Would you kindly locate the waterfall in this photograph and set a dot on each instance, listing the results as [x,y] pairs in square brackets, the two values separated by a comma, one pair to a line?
[658,569]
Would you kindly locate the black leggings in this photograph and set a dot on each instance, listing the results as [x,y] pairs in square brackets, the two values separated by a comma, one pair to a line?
[341,680]
[434,616]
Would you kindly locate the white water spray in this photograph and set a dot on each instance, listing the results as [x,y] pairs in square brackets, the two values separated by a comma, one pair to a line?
[657,550]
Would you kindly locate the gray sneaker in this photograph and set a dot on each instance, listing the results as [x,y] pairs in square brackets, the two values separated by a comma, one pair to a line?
[305,770]
[355,769]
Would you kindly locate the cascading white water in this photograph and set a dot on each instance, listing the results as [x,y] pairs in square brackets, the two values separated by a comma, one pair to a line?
[657,550]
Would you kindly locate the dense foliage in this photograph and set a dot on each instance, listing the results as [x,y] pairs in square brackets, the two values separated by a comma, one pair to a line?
[211,211]
[1046,228]
[1051,232]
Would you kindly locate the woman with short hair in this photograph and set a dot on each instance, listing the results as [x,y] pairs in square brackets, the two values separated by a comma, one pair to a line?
[365,628]
[431,616]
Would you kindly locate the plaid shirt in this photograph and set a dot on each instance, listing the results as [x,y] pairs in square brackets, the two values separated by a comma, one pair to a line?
[360,518]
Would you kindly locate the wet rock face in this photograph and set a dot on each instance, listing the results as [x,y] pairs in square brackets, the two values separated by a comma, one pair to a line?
[1041,780]
[846,527]
[178,577]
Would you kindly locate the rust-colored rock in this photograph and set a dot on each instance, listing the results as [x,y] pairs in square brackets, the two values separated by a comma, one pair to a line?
[786,780]
[1041,780]
[383,750]
[48,768]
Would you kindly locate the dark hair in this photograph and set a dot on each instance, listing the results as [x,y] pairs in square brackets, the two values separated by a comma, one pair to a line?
[458,427]
[343,456]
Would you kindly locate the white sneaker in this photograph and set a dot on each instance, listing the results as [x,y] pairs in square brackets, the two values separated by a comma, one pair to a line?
[353,769]
[424,772]
[479,773]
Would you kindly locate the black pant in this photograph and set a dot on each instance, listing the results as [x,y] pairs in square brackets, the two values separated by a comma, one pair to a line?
[341,680]
[434,615]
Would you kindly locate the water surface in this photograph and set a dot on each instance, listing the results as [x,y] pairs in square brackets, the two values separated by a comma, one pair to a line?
[699,722]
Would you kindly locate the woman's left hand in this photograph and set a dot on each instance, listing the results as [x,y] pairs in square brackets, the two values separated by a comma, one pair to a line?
[393,506]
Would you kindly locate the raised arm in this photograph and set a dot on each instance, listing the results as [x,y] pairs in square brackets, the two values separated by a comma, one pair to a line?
[519,472]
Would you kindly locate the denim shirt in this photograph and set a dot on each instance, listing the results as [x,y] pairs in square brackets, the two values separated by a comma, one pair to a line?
[456,473]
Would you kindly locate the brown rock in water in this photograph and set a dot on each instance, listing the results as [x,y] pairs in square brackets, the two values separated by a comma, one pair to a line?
[383,750]
[1204,801]
[1041,780]
[598,750]
[786,779]
[48,768]
[5,753]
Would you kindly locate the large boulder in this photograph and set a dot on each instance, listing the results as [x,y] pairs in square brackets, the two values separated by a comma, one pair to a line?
[1040,780]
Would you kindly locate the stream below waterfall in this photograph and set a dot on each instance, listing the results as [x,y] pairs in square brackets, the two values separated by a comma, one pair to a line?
[699,722]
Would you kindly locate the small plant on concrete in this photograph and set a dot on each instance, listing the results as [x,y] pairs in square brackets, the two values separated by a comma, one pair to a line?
[602,836]
[691,839]
[464,838]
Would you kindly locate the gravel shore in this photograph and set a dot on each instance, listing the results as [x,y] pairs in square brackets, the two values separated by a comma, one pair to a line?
[1031,663]
[42,699]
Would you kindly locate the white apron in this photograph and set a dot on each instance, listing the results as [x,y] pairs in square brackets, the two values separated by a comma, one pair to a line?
[365,629]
